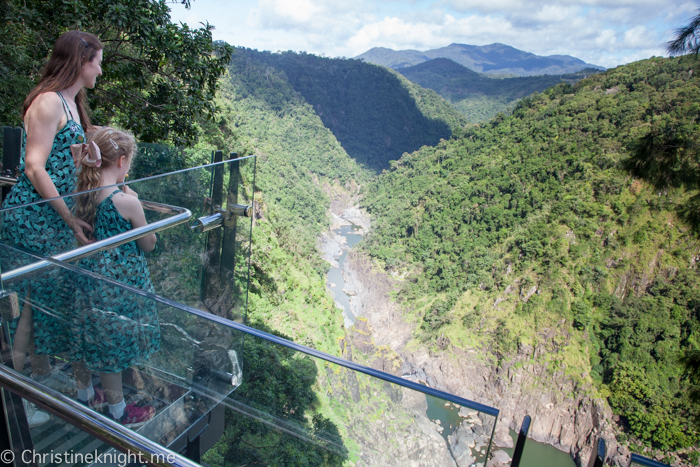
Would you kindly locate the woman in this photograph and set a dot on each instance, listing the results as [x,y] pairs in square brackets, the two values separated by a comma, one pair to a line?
[55,116]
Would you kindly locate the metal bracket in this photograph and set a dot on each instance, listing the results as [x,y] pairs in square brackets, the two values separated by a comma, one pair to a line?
[206,223]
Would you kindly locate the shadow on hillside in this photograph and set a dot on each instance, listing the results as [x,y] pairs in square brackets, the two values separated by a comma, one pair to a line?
[369,111]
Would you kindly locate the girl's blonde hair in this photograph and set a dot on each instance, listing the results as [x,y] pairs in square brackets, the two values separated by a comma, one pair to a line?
[113,145]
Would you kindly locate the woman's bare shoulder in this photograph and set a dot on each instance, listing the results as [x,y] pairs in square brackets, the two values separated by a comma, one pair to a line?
[45,107]
[46,102]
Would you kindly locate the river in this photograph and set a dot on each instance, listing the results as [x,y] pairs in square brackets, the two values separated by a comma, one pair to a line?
[534,455]
[335,276]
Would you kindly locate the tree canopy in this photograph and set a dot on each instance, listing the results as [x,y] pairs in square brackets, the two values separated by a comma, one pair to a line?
[159,77]
[686,40]
[528,223]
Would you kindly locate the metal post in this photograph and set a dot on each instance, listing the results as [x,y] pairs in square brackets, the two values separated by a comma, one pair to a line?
[598,455]
[17,149]
[212,254]
[8,156]
[228,246]
[520,444]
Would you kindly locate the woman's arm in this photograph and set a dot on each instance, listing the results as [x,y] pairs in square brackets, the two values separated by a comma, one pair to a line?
[43,119]
[130,208]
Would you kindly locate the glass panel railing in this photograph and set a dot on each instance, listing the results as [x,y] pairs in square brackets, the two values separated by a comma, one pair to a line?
[202,262]
[175,337]
[124,352]
[334,412]
[289,404]
[205,263]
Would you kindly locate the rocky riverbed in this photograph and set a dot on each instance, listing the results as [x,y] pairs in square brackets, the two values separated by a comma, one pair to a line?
[563,415]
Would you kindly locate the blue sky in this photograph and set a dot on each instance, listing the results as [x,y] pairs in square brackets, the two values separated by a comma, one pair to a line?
[601,32]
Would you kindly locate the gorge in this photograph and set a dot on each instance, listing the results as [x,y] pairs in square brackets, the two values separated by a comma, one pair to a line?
[353,294]
[512,263]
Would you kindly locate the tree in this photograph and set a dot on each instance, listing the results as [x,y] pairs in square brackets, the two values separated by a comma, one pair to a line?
[159,78]
[274,417]
[686,40]
[667,157]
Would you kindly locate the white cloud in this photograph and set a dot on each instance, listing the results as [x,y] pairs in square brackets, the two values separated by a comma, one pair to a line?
[603,32]
[311,16]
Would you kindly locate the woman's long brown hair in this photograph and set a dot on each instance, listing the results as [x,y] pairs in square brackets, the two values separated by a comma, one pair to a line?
[72,50]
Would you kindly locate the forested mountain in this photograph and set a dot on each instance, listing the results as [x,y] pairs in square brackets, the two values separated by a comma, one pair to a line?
[477,97]
[306,118]
[375,114]
[493,59]
[527,223]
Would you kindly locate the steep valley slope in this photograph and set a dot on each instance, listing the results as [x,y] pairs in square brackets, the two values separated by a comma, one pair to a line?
[522,242]
[528,271]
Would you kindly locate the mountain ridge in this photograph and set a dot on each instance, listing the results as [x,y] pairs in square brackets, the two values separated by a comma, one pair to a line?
[493,58]
[474,95]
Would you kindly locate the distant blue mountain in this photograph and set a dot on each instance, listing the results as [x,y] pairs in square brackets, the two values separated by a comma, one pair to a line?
[496,58]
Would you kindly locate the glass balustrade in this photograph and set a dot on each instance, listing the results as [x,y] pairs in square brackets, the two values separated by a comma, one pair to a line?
[177,348]
[202,262]
[186,362]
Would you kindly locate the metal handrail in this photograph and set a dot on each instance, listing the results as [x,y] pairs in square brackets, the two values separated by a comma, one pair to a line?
[399,381]
[520,444]
[7,181]
[182,216]
[641,460]
[106,430]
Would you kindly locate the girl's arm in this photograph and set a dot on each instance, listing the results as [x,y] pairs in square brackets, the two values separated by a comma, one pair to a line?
[42,121]
[130,208]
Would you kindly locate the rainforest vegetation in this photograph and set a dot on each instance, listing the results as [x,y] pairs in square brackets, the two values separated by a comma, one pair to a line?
[479,97]
[534,208]
[159,78]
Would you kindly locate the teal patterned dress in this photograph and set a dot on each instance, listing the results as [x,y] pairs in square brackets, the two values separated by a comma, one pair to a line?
[39,229]
[114,328]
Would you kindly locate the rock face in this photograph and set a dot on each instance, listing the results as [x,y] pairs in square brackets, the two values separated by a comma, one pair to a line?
[369,292]
[499,459]
[563,415]
[402,435]
[470,440]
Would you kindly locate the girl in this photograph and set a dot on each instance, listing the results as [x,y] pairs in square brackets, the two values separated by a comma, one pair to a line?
[113,328]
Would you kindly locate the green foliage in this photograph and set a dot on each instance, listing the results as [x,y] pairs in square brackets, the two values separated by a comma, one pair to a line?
[272,417]
[297,153]
[153,159]
[686,40]
[374,114]
[159,78]
[640,341]
[581,311]
[536,199]
[479,97]
[690,360]
[667,156]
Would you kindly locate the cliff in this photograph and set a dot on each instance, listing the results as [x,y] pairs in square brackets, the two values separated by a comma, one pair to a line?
[564,414]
